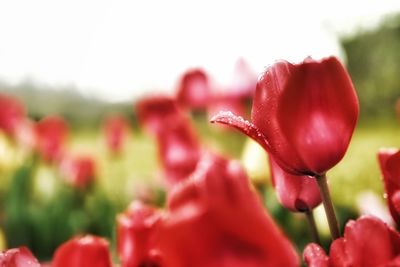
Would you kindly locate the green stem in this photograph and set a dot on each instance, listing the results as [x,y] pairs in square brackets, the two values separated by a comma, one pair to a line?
[328,206]
[313,227]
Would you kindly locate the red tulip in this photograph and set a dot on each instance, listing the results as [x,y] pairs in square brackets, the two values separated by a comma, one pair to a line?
[78,171]
[136,236]
[303,114]
[115,130]
[389,161]
[296,193]
[367,242]
[193,90]
[51,137]
[156,113]
[178,147]
[179,151]
[18,257]
[12,113]
[216,220]
[83,252]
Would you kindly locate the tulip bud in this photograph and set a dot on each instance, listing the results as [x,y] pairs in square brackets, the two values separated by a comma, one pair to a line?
[193,90]
[115,131]
[12,113]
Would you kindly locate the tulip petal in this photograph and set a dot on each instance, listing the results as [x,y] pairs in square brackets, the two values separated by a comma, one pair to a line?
[251,130]
[296,193]
[315,256]
[389,162]
[317,113]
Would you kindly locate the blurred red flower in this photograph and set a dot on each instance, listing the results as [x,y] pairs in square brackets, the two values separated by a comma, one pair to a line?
[78,171]
[12,113]
[83,251]
[296,193]
[244,81]
[389,162]
[303,114]
[136,236]
[178,146]
[367,242]
[179,151]
[115,130]
[194,91]
[157,112]
[18,257]
[215,219]
[51,135]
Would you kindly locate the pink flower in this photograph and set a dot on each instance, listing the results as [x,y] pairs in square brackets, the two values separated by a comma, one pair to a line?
[303,114]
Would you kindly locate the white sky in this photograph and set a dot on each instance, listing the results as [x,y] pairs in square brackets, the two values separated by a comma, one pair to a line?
[121,49]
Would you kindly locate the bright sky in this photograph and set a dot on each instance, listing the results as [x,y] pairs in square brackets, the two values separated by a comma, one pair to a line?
[121,49]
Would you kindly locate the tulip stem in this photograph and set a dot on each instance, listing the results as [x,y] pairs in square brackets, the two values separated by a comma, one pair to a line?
[328,206]
[313,227]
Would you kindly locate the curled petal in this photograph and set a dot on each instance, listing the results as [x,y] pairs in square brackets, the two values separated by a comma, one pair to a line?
[251,130]
[315,256]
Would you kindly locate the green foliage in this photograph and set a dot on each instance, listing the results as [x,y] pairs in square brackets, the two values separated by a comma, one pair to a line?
[373,61]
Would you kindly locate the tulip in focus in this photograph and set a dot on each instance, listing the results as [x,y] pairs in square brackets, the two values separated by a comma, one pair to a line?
[115,130]
[136,236]
[296,193]
[389,162]
[85,251]
[52,133]
[303,114]
[367,242]
[18,257]
[194,91]
[78,171]
[215,219]
[12,113]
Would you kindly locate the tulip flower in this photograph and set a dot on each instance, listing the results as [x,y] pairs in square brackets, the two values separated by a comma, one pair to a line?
[51,135]
[83,252]
[12,113]
[136,236]
[115,131]
[157,112]
[194,90]
[215,219]
[178,146]
[78,171]
[179,152]
[18,257]
[367,242]
[389,162]
[303,114]
[296,193]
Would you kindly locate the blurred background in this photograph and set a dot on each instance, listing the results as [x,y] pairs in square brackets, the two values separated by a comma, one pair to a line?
[80,64]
